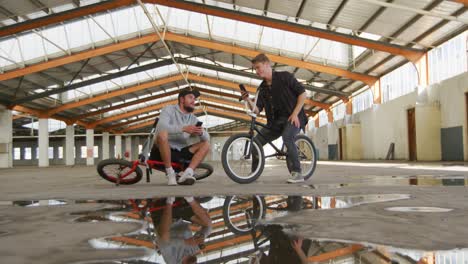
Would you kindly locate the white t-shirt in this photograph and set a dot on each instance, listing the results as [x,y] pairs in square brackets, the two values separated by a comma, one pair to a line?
[174,250]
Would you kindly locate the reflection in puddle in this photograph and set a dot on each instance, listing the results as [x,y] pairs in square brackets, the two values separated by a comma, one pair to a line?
[234,229]
[419,180]
[420,209]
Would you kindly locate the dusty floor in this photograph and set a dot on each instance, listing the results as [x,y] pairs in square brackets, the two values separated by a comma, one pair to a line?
[47,234]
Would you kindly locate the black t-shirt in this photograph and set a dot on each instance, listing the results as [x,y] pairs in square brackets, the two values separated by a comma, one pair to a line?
[280,99]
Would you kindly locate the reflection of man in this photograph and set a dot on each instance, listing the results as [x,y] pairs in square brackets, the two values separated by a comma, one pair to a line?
[284,247]
[176,125]
[175,239]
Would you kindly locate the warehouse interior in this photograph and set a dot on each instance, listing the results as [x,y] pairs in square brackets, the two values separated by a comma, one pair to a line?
[82,81]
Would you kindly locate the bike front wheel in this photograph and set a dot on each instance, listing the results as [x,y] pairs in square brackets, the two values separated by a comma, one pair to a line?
[307,156]
[119,171]
[243,158]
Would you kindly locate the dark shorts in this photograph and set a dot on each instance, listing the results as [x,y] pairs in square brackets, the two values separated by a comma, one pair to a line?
[183,211]
[176,155]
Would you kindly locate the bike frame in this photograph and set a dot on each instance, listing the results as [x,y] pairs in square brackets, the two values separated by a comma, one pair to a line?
[143,158]
[253,127]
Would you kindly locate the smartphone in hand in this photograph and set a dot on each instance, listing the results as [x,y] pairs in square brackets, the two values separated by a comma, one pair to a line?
[199,124]
[242,87]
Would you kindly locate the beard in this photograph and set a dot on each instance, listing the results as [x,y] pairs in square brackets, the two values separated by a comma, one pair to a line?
[189,109]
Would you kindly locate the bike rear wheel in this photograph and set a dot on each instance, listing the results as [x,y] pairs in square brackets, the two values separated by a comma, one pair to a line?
[113,169]
[242,158]
[202,171]
[307,156]
[242,213]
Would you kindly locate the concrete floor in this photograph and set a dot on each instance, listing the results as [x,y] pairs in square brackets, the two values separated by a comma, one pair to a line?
[39,229]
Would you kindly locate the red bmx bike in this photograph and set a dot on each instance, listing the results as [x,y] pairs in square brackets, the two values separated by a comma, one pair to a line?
[120,171]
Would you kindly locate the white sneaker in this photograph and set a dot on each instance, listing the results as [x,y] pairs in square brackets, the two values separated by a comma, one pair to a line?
[296,177]
[186,179]
[171,179]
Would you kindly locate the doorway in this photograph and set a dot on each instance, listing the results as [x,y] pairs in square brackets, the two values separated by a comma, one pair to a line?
[411,117]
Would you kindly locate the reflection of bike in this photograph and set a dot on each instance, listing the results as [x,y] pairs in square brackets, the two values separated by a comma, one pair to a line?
[241,213]
[121,171]
[243,158]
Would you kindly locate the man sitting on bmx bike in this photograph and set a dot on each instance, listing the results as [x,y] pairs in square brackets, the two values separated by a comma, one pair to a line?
[176,126]
[283,98]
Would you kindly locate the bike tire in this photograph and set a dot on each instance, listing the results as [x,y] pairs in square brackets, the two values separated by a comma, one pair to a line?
[227,167]
[311,170]
[202,171]
[259,212]
[109,168]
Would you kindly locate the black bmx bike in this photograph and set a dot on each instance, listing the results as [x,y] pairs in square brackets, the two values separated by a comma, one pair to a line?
[243,158]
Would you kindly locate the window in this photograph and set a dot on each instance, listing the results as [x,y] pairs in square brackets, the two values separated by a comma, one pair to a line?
[449,59]
[51,152]
[27,153]
[401,81]
[96,151]
[37,152]
[17,153]
[363,101]
[83,152]
[60,152]
[140,148]
[323,118]
[339,112]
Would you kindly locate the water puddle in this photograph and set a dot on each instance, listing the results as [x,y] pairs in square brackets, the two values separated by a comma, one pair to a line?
[420,209]
[220,229]
[418,180]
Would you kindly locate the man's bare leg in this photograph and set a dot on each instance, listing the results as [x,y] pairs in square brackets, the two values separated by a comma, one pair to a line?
[162,139]
[201,216]
[199,150]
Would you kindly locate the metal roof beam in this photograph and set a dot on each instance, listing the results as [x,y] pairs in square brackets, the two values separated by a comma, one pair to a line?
[409,53]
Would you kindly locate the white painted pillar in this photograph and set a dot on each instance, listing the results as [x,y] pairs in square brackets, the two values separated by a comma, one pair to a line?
[89,147]
[118,146]
[6,138]
[43,142]
[70,145]
[128,147]
[105,145]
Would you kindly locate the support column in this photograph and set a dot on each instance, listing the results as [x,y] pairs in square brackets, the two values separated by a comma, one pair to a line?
[118,146]
[128,146]
[89,147]
[43,142]
[105,145]
[349,111]
[70,145]
[377,92]
[6,138]
[423,70]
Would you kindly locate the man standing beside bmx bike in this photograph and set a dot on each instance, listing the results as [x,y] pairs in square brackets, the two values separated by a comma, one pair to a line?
[282,97]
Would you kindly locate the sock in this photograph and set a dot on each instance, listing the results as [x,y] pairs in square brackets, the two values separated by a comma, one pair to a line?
[188,172]
[169,171]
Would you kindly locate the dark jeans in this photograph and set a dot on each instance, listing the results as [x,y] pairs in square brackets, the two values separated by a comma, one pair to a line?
[288,131]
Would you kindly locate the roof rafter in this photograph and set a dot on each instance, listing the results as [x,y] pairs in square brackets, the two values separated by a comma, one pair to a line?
[229,48]
[409,53]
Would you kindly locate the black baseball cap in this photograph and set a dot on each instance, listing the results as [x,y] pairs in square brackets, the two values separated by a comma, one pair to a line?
[188,91]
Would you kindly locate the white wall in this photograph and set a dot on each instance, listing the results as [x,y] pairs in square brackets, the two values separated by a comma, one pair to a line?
[437,106]
[451,94]
[384,124]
